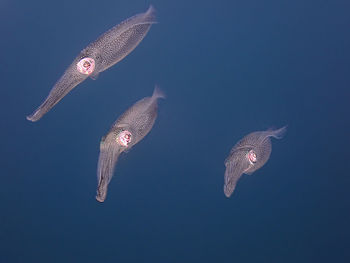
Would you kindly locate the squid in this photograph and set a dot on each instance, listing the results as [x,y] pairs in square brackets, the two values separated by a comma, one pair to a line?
[106,51]
[130,128]
[249,155]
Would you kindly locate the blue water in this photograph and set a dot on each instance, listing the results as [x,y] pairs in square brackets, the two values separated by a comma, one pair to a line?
[228,68]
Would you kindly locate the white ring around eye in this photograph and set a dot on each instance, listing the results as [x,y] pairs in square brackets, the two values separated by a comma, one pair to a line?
[124,138]
[251,156]
[86,66]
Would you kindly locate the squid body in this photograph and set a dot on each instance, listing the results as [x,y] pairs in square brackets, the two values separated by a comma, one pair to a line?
[107,50]
[248,155]
[130,128]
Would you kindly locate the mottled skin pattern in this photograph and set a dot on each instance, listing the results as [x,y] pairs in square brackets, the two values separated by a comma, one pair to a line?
[237,163]
[107,50]
[138,120]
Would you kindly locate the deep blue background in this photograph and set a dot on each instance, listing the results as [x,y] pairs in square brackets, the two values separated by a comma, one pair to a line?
[228,68]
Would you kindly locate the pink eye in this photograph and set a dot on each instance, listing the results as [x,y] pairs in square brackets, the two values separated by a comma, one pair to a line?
[86,66]
[124,138]
[251,155]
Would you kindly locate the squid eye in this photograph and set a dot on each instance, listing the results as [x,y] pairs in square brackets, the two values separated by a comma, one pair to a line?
[124,138]
[86,66]
[251,156]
